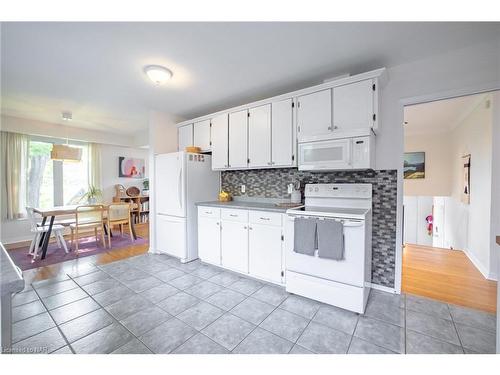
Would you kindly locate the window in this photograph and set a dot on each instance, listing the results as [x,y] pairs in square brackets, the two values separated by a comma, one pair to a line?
[53,182]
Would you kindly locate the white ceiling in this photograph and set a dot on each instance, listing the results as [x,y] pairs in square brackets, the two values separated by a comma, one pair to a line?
[439,116]
[95,69]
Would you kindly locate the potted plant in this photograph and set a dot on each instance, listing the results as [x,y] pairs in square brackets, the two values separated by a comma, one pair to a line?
[145,184]
[92,194]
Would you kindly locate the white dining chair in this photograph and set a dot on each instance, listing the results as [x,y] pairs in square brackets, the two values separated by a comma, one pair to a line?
[38,230]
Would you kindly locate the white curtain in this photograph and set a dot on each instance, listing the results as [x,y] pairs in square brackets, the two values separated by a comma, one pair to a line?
[95,165]
[14,168]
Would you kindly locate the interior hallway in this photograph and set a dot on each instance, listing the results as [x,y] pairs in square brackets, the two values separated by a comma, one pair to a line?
[446,275]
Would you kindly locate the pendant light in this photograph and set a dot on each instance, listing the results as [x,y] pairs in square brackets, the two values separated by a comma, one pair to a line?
[66,152]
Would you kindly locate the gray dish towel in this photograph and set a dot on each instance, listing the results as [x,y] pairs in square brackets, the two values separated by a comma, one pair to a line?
[330,239]
[304,238]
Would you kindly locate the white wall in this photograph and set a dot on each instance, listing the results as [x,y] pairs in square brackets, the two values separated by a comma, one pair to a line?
[474,136]
[109,168]
[437,181]
[459,72]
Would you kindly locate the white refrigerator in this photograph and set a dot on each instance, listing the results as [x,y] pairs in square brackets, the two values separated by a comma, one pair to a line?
[181,180]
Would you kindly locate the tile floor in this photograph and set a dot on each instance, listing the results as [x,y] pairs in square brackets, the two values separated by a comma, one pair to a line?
[155,304]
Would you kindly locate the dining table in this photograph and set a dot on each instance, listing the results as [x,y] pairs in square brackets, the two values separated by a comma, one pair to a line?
[51,213]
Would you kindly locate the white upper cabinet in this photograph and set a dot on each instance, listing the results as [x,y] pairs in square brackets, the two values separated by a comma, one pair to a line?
[353,106]
[202,135]
[185,136]
[282,135]
[220,139]
[238,139]
[259,136]
[314,114]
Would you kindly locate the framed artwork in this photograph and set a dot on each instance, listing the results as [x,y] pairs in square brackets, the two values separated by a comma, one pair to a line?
[414,165]
[130,167]
[466,179]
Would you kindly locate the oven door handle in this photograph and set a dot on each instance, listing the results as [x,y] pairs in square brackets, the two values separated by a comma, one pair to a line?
[353,225]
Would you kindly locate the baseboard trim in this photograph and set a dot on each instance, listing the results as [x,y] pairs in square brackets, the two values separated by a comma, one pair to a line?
[383,288]
[480,266]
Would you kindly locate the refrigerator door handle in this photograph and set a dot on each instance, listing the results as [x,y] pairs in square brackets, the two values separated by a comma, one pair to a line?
[179,191]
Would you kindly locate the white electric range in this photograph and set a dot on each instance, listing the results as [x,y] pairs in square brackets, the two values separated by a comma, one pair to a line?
[344,283]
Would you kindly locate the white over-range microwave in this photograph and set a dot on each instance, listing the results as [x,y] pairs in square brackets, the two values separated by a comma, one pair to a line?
[337,154]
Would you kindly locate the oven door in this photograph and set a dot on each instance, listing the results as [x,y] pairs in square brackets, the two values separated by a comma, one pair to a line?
[349,271]
[333,154]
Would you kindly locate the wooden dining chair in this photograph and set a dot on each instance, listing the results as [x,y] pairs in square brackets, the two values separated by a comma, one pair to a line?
[38,230]
[88,217]
[119,214]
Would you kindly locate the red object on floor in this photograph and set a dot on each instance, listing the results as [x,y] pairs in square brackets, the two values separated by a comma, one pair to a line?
[87,246]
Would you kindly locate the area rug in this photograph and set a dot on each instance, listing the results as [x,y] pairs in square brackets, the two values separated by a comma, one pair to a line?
[87,246]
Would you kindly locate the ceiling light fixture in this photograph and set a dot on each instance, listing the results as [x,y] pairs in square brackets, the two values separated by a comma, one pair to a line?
[158,74]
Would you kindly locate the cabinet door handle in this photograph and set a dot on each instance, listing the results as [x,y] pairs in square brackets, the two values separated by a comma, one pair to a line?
[208,212]
[218,223]
[250,228]
[265,218]
[245,227]
[233,215]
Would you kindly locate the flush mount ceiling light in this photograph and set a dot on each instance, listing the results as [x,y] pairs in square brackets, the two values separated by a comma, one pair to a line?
[158,74]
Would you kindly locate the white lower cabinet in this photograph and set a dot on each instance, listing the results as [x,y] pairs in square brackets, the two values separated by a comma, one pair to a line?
[234,246]
[264,252]
[209,239]
[245,241]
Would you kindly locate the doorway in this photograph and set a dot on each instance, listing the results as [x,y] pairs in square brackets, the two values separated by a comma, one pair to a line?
[447,254]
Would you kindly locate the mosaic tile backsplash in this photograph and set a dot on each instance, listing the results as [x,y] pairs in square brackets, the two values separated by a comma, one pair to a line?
[272,183]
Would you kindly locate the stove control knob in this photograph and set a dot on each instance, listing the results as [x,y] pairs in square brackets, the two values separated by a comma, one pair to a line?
[316,190]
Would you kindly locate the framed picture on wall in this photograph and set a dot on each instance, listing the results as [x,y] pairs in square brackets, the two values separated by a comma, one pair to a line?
[414,165]
[131,167]
[466,179]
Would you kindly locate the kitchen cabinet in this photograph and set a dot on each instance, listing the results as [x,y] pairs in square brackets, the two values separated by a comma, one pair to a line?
[185,136]
[202,135]
[234,245]
[259,136]
[353,106]
[238,139]
[265,246]
[314,114]
[246,241]
[282,134]
[220,142]
[209,239]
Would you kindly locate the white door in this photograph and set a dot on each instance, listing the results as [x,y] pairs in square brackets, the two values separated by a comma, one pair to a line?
[353,106]
[209,240]
[170,184]
[282,134]
[220,139]
[234,246]
[171,236]
[259,136]
[438,215]
[238,139]
[185,137]
[202,135]
[314,114]
[264,252]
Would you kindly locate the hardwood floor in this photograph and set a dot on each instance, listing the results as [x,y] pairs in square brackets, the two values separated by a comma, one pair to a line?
[447,275]
[60,269]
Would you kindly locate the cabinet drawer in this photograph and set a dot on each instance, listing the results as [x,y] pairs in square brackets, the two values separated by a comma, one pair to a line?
[209,212]
[234,215]
[264,217]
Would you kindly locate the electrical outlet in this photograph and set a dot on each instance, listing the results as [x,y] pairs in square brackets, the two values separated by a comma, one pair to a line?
[243,188]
